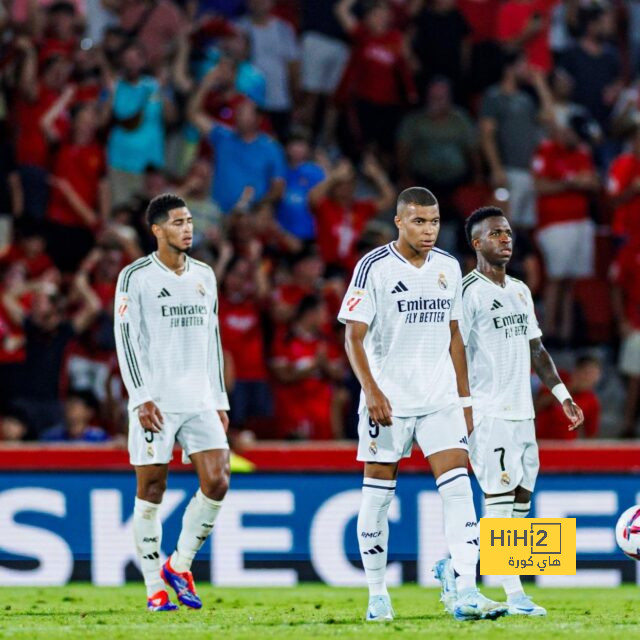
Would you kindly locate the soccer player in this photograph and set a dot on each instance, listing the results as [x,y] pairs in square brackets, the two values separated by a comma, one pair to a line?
[502,338]
[170,356]
[402,338]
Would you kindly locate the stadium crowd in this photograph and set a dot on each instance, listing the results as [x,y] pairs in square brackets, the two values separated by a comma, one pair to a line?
[288,127]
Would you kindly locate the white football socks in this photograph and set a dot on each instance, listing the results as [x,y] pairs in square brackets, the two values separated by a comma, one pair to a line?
[512,584]
[147,532]
[373,531]
[197,523]
[504,507]
[460,525]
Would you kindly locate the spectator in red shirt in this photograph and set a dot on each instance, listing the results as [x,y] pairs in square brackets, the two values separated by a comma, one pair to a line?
[60,31]
[524,24]
[623,188]
[35,97]
[625,275]
[551,423]
[241,304]
[565,178]
[340,217]
[305,365]
[30,251]
[377,76]
[306,278]
[79,196]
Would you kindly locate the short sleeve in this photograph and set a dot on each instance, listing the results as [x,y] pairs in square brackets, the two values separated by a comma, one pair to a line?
[532,321]
[359,303]
[456,303]
[218,133]
[468,316]
[489,107]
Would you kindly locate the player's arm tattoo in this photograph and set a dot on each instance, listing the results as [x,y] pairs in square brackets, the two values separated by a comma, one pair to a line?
[543,364]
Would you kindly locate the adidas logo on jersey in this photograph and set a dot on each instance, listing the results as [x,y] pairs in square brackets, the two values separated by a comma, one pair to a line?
[496,305]
[164,293]
[399,288]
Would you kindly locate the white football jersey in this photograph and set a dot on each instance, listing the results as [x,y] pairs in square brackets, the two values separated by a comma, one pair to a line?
[167,336]
[408,311]
[498,323]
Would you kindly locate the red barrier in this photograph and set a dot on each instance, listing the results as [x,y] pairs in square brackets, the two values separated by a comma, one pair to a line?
[602,456]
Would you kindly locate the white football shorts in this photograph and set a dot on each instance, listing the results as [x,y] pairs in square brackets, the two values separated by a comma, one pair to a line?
[504,454]
[194,432]
[439,431]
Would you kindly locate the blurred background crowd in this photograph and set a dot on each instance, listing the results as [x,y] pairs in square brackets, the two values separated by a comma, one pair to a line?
[289,126]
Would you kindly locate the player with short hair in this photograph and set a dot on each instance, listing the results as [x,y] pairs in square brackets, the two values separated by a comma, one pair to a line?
[502,338]
[402,338]
[170,356]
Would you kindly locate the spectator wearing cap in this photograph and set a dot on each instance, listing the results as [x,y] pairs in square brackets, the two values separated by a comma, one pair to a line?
[565,179]
[293,212]
[244,156]
[340,216]
[623,189]
[80,409]
[625,277]
[274,50]
[551,421]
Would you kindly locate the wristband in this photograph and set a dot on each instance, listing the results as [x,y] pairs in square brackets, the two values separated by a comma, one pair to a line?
[561,393]
[465,401]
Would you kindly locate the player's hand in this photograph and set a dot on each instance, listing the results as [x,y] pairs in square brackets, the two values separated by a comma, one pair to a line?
[150,417]
[224,418]
[468,418]
[574,413]
[378,407]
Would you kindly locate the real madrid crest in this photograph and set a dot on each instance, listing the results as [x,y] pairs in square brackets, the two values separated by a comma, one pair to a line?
[505,479]
[442,281]
[200,289]
[373,448]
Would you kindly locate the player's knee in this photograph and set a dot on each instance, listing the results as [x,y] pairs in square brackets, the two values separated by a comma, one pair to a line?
[522,495]
[153,491]
[216,486]
[455,485]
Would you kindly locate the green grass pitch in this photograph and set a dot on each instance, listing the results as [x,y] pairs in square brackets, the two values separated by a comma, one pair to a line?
[308,611]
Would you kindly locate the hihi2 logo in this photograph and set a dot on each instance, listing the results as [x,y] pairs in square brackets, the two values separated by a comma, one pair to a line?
[527,546]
